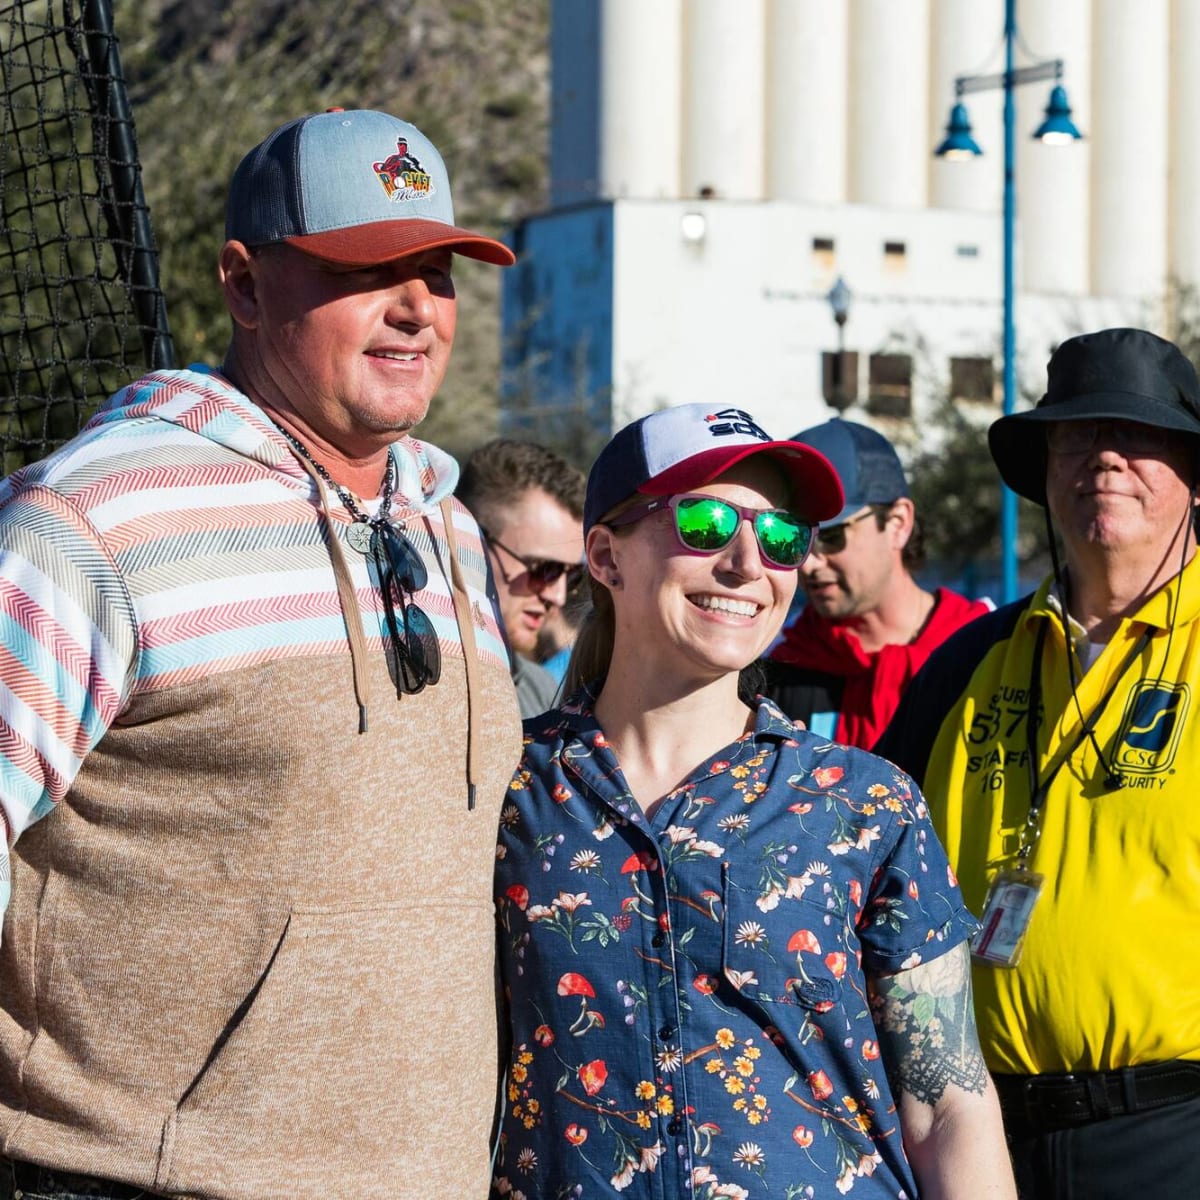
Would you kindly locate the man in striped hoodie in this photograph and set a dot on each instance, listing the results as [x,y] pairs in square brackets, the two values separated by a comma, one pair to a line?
[255,726]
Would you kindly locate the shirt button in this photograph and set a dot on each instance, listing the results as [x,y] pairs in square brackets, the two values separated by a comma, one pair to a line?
[666,1031]
[676,1126]
[658,939]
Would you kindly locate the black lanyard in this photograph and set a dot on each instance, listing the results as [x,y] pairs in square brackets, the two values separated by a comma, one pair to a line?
[1038,789]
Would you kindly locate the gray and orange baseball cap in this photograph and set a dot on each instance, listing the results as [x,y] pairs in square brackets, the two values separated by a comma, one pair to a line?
[354,186]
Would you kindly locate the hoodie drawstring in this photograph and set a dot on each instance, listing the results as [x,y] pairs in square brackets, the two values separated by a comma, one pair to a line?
[351,613]
[466,634]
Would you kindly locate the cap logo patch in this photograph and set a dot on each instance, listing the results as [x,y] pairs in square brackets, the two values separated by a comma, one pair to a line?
[730,422]
[402,176]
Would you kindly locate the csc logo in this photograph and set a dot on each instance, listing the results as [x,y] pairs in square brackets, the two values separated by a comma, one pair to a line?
[1151,727]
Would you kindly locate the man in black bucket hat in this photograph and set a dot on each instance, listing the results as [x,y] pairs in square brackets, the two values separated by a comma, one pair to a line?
[1113,375]
[1054,742]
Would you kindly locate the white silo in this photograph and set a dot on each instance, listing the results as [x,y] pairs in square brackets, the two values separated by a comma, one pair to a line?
[888,126]
[1053,204]
[806,100]
[723,111]
[1129,154]
[1183,261]
[967,40]
[640,98]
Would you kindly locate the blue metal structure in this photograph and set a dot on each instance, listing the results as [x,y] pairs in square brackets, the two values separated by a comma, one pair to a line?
[1057,127]
[557,313]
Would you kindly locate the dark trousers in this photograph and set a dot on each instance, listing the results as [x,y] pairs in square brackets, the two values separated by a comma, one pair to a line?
[27,1181]
[1152,1155]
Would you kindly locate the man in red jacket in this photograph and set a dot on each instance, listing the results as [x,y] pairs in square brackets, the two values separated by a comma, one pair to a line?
[867,626]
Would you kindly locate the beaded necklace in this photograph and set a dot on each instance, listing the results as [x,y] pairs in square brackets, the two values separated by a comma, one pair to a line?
[359,540]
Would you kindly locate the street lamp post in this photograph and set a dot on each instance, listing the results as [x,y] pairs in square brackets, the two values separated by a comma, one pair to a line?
[1057,127]
[839,301]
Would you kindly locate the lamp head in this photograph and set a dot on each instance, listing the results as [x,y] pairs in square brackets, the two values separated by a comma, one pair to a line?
[1057,129]
[958,142]
[839,300]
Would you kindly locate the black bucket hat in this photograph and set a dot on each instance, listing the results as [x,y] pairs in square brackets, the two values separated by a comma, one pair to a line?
[1112,375]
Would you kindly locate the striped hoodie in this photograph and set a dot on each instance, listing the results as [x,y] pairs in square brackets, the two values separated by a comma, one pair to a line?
[248,949]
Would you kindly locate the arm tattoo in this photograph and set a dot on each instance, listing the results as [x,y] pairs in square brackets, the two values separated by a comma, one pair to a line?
[926,1025]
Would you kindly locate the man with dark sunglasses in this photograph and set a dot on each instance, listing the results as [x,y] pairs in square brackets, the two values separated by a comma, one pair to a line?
[257,726]
[867,625]
[528,501]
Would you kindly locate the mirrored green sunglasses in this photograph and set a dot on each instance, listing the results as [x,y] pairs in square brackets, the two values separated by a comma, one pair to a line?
[704,525]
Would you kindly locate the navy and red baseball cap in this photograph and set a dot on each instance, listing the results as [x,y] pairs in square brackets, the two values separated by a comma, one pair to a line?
[687,446]
[866,463]
[353,186]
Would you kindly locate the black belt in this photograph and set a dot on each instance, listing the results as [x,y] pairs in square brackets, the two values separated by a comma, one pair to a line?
[49,1181]
[1042,1103]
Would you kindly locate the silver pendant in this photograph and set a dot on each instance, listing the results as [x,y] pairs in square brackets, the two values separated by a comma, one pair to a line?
[359,536]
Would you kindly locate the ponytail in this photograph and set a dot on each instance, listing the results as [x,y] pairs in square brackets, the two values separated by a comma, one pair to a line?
[592,653]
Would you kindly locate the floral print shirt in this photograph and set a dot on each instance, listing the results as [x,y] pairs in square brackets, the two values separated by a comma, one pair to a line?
[686,993]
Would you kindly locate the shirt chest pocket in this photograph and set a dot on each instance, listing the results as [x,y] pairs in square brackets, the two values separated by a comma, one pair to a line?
[793,952]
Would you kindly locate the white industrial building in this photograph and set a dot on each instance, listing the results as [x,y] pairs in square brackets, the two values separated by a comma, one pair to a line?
[718,164]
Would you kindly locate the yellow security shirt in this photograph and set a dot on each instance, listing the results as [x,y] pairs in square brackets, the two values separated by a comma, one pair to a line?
[1110,972]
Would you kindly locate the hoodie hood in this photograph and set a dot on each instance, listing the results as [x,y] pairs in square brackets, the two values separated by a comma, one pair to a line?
[204,402]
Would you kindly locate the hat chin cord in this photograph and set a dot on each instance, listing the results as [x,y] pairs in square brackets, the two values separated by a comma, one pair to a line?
[1113,779]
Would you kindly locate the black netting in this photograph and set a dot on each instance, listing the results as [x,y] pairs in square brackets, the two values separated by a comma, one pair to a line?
[81,312]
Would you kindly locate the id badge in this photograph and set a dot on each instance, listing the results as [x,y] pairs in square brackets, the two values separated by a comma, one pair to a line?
[1005,919]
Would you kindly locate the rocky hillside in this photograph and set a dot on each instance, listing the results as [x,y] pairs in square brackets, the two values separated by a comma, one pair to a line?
[208,79]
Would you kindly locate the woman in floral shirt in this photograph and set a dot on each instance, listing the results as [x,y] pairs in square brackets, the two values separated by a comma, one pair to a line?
[733,953]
